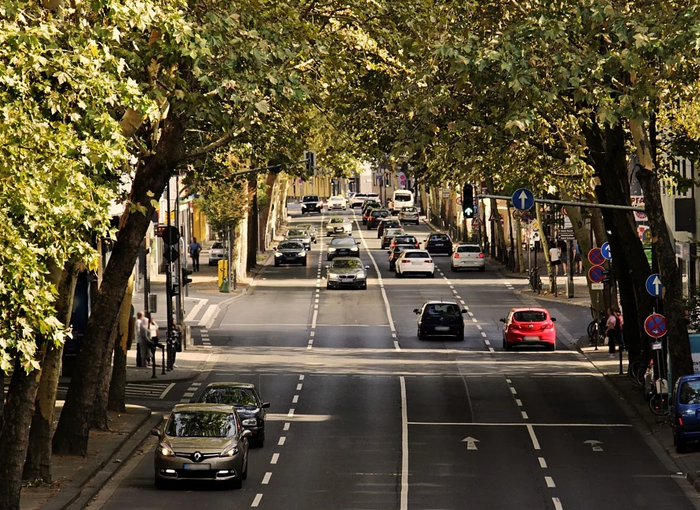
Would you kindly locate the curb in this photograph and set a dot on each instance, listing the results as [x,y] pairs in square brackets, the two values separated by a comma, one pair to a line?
[79,494]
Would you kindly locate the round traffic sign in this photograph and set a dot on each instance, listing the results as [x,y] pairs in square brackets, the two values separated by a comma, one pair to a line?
[596,274]
[605,251]
[595,257]
[458,200]
[653,285]
[655,325]
[170,235]
[523,199]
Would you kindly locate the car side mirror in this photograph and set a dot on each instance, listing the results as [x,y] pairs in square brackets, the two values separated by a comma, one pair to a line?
[554,319]
[155,432]
[502,319]
[274,248]
[246,433]
[265,405]
[416,310]
[366,267]
[464,310]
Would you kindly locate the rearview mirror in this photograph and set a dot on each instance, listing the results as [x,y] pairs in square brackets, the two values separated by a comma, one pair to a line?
[155,432]
[464,310]
[265,405]
[554,319]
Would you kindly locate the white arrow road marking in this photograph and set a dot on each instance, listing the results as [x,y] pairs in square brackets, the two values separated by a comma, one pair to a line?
[471,442]
[595,445]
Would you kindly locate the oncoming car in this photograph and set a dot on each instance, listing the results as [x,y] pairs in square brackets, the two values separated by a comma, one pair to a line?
[529,326]
[346,272]
[311,203]
[440,318]
[339,226]
[343,247]
[217,252]
[336,203]
[201,442]
[290,252]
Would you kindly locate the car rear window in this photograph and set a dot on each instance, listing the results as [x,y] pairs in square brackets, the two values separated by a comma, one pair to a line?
[689,393]
[442,309]
[418,255]
[406,239]
[469,249]
[217,246]
[530,316]
[439,237]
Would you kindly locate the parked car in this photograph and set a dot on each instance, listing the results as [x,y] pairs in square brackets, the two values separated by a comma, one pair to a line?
[686,411]
[409,215]
[387,223]
[389,234]
[394,253]
[217,252]
[466,256]
[246,399]
[415,261]
[439,243]
[405,239]
[375,217]
[299,234]
[311,203]
[529,326]
[290,252]
[440,318]
[201,442]
[343,247]
[346,272]
[339,226]
[334,203]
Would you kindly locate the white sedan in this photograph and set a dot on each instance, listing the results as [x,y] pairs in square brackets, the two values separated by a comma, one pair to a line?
[468,256]
[339,226]
[415,261]
[337,203]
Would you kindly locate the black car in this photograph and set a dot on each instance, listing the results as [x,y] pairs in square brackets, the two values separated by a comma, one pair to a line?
[440,318]
[395,252]
[311,203]
[405,240]
[290,252]
[376,216]
[439,243]
[343,247]
[246,399]
[370,203]
[387,223]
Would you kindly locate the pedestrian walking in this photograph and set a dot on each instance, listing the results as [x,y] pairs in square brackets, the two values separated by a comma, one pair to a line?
[577,258]
[554,259]
[563,254]
[154,337]
[194,250]
[174,343]
[144,339]
[618,327]
[613,326]
[140,341]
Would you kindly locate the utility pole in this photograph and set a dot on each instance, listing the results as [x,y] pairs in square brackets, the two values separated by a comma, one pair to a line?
[179,302]
[168,290]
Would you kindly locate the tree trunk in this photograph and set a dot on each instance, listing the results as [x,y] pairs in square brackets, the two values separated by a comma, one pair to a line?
[117,387]
[99,418]
[73,429]
[38,463]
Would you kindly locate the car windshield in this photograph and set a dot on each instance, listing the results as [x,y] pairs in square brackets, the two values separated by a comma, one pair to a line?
[442,309]
[402,197]
[297,233]
[343,241]
[231,395]
[290,246]
[690,392]
[346,264]
[530,316]
[408,209]
[310,198]
[406,239]
[201,424]
[469,249]
[337,220]
[217,246]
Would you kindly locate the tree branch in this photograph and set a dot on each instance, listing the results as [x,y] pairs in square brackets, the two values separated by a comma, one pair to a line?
[224,140]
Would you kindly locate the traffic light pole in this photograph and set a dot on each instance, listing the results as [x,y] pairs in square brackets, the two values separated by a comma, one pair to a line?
[168,291]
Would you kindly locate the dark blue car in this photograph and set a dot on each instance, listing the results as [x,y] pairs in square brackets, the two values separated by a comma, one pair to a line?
[686,419]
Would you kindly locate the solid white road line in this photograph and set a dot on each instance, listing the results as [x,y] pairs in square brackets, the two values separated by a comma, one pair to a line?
[535,442]
[404,446]
[209,316]
[166,390]
[517,424]
[195,309]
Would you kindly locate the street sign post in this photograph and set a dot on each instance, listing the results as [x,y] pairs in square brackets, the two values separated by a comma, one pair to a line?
[595,257]
[605,251]
[523,199]
[655,325]
[653,285]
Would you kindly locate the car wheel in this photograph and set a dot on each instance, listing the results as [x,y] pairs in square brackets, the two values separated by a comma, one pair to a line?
[160,483]
[431,275]
[277,264]
[552,347]
[304,263]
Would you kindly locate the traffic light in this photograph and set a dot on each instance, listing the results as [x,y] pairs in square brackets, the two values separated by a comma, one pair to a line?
[170,253]
[468,200]
[310,159]
[186,276]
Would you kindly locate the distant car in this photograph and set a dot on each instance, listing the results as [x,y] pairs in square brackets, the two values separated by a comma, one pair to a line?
[389,234]
[339,226]
[343,247]
[394,253]
[686,411]
[217,252]
[387,223]
[334,203]
[405,239]
[346,272]
[360,198]
[529,326]
[415,261]
[299,234]
[204,442]
[409,215]
[311,229]
[370,203]
[439,243]
[311,203]
[375,216]
[468,256]
[440,318]
[290,252]
[246,399]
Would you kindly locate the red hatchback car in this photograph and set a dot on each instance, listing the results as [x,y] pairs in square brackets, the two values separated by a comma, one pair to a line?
[529,326]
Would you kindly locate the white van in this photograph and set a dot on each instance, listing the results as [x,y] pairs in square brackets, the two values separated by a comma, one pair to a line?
[402,198]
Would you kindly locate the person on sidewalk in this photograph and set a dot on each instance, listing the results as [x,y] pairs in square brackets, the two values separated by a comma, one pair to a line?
[563,254]
[577,258]
[141,345]
[144,339]
[554,259]
[154,336]
[174,340]
[194,249]
[611,331]
[619,323]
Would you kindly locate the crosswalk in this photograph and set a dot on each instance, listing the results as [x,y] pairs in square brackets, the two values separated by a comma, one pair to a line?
[152,391]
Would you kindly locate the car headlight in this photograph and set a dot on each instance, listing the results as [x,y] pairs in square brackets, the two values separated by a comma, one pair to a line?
[250,422]
[354,249]
[333,277]
[278,254]
[230,452]
[165,450]
[302,253]
[331,250]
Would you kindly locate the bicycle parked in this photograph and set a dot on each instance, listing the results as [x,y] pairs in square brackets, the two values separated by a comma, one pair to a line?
[535,280]
[596,329]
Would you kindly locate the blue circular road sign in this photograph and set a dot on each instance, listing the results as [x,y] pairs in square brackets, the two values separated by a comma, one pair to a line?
[653,285]
[605,251]
[523,199]
[655,325]
[596,274]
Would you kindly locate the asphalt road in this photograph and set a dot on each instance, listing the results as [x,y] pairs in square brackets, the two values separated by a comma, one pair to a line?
[366,416]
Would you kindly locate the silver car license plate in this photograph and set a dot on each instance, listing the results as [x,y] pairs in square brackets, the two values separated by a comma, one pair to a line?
[531,338]
[196,467]
[442,328]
